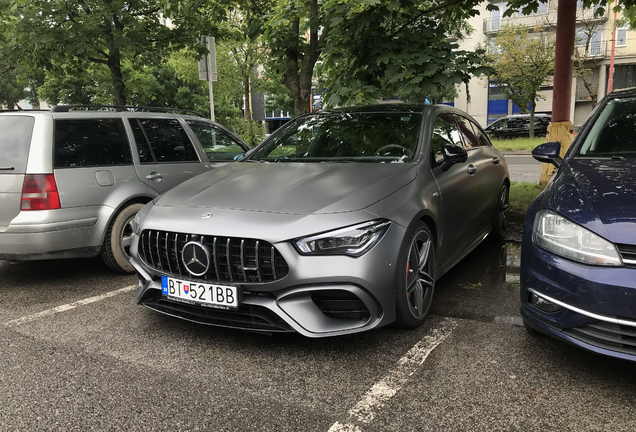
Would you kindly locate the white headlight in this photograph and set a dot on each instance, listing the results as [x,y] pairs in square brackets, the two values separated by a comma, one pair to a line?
[354,241]
[556,234]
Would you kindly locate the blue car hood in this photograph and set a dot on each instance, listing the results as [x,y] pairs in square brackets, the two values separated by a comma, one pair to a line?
[599,194]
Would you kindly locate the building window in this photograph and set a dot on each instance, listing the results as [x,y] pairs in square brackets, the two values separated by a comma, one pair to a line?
[621,35]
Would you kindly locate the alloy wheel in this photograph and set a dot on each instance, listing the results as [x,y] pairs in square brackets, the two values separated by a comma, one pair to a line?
[504,206]
[420,280]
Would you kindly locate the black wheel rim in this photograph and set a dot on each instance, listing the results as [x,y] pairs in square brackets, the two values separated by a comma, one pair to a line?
[504,206]
[419,275]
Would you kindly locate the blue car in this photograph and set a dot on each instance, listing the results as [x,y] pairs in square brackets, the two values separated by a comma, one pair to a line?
[578,260]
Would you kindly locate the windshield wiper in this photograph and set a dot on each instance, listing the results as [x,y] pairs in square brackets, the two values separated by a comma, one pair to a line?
[617,157]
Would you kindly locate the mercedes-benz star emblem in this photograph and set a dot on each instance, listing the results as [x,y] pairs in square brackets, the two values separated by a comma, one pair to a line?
[196,258]
[206,216]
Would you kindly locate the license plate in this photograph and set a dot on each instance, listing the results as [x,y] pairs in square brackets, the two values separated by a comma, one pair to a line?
[218,296]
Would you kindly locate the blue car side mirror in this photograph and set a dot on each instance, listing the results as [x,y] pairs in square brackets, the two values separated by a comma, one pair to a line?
[549,152]
[239,156]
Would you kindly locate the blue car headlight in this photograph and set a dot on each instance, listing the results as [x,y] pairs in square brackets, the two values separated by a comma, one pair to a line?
[563,237]
[355,240]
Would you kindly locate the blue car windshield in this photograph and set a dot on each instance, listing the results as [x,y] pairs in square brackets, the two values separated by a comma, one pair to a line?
[612,134]
[345,137]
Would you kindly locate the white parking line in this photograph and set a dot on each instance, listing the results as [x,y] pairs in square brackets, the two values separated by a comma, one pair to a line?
[68,306]
[385,389]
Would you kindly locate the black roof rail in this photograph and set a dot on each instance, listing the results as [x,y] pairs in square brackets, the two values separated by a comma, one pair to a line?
[124,108]
[22,110]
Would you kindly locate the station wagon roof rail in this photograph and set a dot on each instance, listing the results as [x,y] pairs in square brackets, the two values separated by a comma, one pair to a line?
[120,108]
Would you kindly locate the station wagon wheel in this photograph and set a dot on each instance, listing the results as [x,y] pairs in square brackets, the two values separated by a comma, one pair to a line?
[118,239]
[416,278]
[500,219]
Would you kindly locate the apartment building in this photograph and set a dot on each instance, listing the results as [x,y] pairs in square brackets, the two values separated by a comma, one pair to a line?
[593,50]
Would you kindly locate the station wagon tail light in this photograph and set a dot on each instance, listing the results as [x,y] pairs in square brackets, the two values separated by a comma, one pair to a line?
[40,193]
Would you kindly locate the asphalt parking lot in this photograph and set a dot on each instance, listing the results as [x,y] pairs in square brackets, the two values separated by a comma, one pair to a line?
[77,354]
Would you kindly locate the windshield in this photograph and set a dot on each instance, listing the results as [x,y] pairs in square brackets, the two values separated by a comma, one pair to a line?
[345,137]
[612,134]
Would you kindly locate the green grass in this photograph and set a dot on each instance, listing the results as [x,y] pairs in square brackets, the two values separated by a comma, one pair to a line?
[522,194]
[470,286]
[517,143]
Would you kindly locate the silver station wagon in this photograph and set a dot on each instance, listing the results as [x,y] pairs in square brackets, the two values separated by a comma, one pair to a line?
[338,223]
[73,178]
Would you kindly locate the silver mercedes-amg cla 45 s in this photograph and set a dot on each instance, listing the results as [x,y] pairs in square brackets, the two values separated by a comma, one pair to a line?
[338,223]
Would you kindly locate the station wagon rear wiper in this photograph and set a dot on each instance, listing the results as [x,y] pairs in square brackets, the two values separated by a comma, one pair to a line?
[7,168]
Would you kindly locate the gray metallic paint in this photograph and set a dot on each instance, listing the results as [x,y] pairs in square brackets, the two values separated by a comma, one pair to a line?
[79,227]
[279,202]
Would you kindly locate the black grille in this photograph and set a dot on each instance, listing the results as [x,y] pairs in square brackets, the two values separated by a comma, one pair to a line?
[341,305]
[247,317]
[606,335]
[628,253]
[232,259]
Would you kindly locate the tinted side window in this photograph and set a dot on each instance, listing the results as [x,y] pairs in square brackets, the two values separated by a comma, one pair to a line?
[481,136]
[445,132]
[217,145]
[168,141]
[15,140]
[91,142]
[470,140]
[517,123]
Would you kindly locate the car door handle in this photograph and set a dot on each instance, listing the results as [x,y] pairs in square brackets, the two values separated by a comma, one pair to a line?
[472,169]
[495,160]
[154,175]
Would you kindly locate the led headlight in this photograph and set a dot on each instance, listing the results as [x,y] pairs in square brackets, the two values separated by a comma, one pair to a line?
[556,234]
[354,241]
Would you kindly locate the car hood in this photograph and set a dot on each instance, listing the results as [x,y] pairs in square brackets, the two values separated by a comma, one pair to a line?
[599,194]
[293,188]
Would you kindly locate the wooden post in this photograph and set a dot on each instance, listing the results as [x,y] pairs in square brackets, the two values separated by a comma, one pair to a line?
[561,127]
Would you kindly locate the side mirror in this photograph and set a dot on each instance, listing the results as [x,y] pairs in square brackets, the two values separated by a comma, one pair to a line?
[239,156]
[548,153]
[453,154]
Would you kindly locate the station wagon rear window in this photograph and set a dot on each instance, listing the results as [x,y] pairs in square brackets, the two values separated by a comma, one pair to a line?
[91,142]
[15,140]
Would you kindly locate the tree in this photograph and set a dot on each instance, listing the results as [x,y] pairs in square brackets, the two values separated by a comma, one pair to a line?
[385,48]
[373,47]
[86,33]
[522,63]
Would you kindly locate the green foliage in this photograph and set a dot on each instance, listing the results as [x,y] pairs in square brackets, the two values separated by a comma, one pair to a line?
[384,48]
[78,34]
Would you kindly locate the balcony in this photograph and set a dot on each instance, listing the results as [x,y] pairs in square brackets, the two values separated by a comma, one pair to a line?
[548,19]
[493,25]
[597,50]
[582,94]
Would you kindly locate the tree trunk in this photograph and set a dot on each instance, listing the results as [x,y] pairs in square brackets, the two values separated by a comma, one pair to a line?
[533,106]
[248,101]
[114,64]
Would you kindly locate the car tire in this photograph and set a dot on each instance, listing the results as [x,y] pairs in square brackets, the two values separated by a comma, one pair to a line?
[414,289]
[119,236]
[500,218]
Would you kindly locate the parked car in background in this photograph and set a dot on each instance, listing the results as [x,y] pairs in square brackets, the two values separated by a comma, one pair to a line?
[73,178]
[518,126]
[578,263]
[338,223]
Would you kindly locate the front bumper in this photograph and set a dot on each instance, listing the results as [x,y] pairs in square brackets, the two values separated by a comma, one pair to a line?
[320,295]
[596,305]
